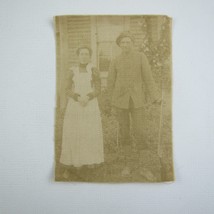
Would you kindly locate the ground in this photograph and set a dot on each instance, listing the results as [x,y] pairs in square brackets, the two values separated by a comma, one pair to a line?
[152,165]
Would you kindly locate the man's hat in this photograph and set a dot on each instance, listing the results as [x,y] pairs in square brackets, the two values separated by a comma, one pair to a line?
[124,34]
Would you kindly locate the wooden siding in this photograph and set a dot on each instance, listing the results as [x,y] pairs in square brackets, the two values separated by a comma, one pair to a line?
[79,33]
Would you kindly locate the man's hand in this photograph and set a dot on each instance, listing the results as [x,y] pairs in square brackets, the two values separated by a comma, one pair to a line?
[114,111]
[157,101]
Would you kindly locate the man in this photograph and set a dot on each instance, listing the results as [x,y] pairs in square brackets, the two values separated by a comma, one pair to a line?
[131,86]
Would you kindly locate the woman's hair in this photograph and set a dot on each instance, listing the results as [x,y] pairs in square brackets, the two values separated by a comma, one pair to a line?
[83,47]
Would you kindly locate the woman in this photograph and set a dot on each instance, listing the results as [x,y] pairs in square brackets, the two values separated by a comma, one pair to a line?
[82,139]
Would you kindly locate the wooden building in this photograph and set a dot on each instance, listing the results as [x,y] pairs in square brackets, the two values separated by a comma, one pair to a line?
[100,33]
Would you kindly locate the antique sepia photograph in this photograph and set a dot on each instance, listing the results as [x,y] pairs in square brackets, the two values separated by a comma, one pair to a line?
[113,115]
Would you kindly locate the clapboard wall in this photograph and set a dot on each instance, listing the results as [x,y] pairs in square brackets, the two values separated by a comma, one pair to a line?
[79,33]
[75,31]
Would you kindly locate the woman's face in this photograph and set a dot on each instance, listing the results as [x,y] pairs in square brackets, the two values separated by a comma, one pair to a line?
[84,56]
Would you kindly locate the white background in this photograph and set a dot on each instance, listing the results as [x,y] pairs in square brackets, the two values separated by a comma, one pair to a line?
[27,101]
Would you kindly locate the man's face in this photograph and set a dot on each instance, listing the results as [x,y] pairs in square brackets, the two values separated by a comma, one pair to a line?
[84,56]
[126,44]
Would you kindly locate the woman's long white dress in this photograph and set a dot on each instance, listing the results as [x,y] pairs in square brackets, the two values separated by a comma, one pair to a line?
[82,139]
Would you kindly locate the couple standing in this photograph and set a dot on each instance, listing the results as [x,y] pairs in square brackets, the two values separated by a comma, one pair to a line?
[130,84]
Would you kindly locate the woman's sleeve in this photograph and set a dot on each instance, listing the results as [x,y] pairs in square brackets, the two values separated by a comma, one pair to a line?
[96,81]
[70,92]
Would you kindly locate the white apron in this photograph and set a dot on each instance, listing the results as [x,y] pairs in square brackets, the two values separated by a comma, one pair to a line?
[82,139]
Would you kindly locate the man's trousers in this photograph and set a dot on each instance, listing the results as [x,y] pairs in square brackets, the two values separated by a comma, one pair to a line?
[134,117]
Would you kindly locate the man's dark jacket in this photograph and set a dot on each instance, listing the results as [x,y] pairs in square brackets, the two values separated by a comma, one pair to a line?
[130,76]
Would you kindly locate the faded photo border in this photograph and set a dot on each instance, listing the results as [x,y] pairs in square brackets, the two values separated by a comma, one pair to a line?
[152,38]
